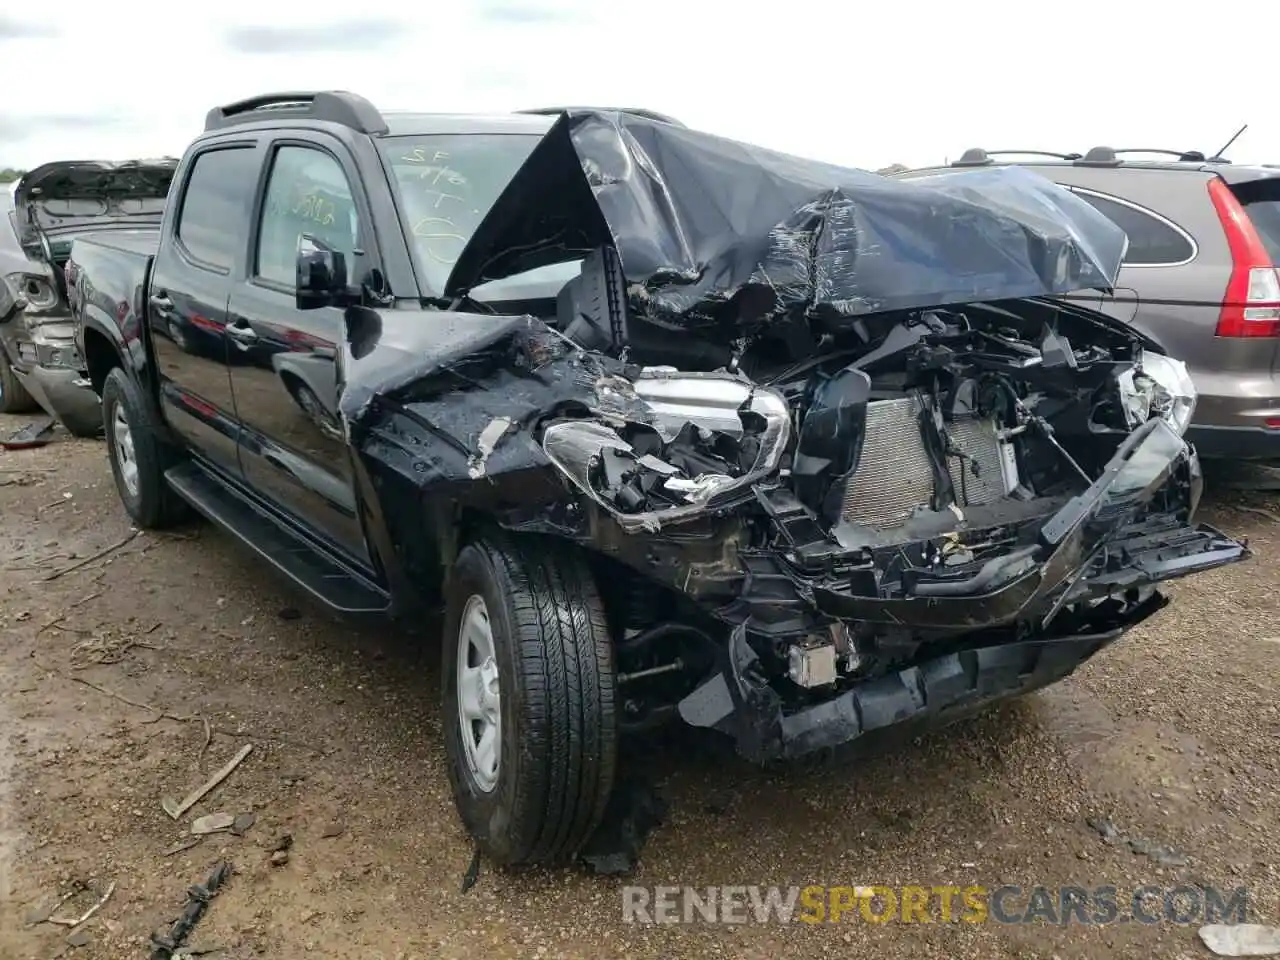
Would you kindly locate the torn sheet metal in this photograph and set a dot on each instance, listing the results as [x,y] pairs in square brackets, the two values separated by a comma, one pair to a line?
[489,437]
[699,221]
[387,350]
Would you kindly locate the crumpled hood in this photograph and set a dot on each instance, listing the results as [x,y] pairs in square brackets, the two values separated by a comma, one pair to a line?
[72,194]
[698,220]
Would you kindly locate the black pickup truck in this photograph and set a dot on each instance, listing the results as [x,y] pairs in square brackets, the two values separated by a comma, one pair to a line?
[673,426]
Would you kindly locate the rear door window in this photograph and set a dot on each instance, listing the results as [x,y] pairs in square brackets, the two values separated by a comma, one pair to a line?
[1261,200]
[1153,240]
[214,204]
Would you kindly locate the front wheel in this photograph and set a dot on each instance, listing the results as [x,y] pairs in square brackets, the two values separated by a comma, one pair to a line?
[529,710]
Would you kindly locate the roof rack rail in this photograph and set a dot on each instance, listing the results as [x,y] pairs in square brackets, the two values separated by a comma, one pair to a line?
[1099,157]
[334,106]
[1186,156]
[977,157]
[1111,156]
[634,111]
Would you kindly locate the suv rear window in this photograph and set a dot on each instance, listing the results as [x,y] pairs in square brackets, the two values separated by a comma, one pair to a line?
[1152,241]
[1261,200]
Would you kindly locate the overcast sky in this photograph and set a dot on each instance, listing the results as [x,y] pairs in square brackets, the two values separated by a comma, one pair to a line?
[912,82]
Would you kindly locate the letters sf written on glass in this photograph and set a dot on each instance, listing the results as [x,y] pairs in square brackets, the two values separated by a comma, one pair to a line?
[441,238]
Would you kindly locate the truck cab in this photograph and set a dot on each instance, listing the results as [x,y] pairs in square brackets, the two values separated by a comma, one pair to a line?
[239,370]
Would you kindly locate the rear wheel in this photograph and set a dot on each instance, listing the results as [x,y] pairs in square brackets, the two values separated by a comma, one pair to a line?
[13,395]
[528,712]
[138,456]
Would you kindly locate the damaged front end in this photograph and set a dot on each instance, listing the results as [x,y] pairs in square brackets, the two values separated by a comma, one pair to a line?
[53,205]
[844,461]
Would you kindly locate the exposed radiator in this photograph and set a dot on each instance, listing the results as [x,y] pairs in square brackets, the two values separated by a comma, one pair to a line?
[894,476]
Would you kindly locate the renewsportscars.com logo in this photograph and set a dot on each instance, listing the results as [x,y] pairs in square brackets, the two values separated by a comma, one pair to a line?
[1006,904]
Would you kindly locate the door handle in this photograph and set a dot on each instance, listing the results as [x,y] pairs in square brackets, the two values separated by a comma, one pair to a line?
[161,302]
[241,333]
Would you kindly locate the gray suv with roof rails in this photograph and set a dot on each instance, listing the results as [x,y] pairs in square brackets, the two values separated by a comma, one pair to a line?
[1199,277]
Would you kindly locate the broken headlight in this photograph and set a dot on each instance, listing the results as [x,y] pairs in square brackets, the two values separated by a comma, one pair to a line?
[699,438]
[1158,386]
[37,291]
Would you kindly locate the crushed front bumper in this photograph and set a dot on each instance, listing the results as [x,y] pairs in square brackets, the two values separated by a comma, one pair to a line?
[65,395]
[51,370]
[1097,561]
[946,687]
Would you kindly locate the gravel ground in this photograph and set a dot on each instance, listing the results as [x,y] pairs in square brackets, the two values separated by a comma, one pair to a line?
[133,675]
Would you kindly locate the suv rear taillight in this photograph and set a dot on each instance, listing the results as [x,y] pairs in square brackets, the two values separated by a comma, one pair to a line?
[1251,304]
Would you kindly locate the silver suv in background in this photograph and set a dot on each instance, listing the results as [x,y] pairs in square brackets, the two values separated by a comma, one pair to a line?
[1199,277]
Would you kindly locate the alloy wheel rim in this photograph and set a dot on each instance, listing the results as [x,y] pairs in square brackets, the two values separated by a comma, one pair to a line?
[479,697]
[122,437]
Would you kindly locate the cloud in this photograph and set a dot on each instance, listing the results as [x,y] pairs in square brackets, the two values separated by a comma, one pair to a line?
[518,15]
[781,82]
[494,79]
[15,128]
[13,29]
[350,36]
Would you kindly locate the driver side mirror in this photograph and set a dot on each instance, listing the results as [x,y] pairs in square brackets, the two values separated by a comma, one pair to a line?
[321,275]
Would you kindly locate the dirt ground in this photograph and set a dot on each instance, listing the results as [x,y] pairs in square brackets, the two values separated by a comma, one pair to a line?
[133,674]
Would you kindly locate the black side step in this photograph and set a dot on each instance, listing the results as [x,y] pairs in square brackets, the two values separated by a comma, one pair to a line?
[329,581]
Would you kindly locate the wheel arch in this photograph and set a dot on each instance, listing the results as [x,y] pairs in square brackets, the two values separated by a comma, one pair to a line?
[101,356]
[291,382]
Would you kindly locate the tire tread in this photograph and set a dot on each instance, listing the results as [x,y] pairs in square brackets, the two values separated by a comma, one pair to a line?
[568,755]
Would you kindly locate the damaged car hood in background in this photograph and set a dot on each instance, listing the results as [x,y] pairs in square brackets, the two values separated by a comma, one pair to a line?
[698,221]
[71,194]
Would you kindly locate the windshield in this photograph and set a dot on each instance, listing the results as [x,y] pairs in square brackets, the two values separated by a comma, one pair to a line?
[447,183]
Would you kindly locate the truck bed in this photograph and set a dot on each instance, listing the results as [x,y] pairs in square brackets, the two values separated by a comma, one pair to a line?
[107,276]
[110,268]
[143,242]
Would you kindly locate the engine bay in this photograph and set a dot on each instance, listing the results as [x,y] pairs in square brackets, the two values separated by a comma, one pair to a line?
[885,428]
